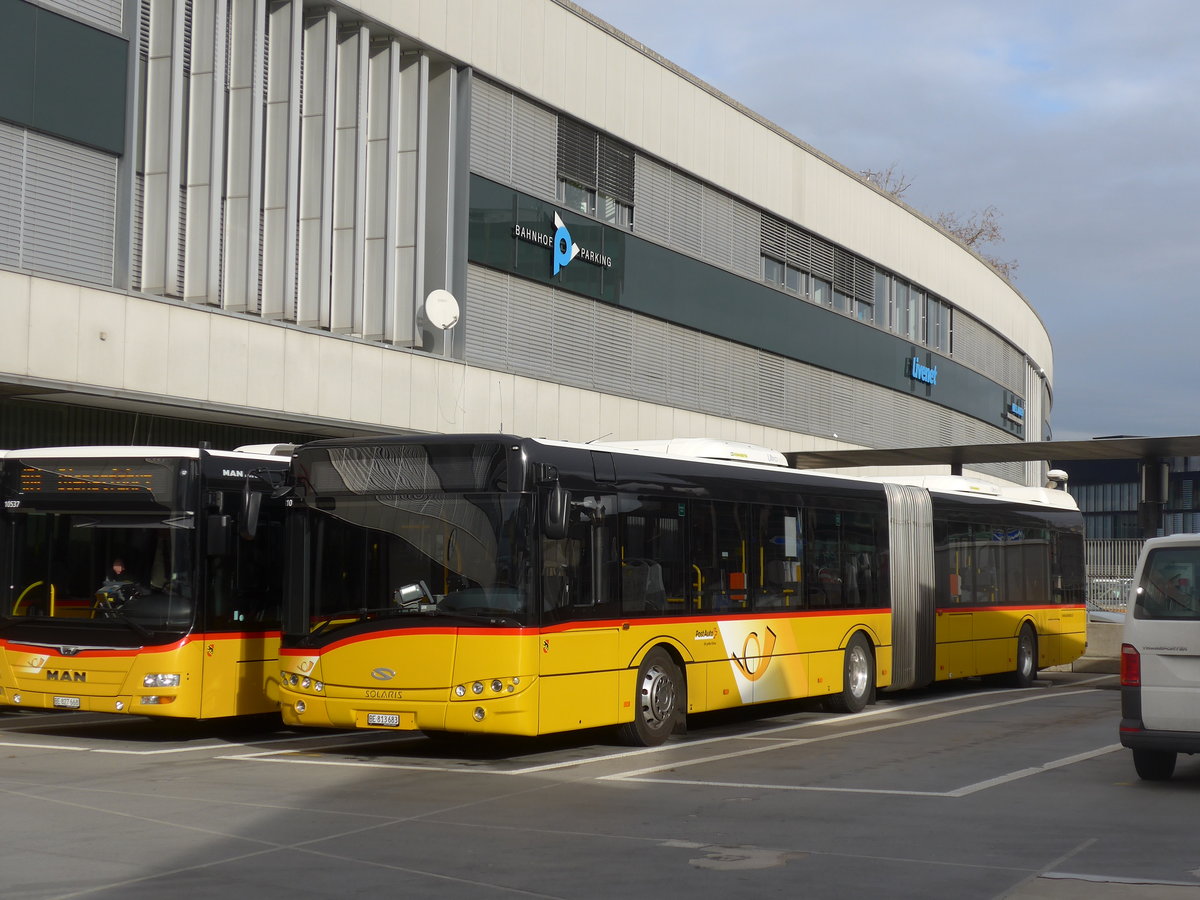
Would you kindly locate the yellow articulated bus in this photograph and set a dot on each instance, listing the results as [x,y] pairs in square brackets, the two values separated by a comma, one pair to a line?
[140,580]
[495,584]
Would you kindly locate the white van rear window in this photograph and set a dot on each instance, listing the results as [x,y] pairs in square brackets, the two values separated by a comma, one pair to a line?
[1168,588]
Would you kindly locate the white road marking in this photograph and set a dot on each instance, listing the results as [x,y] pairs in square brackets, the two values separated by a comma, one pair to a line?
[621,776]
[781,743]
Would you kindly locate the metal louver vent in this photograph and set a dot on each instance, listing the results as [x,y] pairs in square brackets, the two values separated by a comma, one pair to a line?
[577,152]
[774,237]
[843,270]
[821,257]
[614,175]
[187,39]
[144,30]
[864,280]
[798,249]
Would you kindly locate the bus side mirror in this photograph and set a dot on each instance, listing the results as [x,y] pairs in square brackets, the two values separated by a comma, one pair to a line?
[251,503]
[557,512]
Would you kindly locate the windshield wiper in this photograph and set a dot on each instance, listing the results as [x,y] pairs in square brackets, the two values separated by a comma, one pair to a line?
[114,613]
[360,614]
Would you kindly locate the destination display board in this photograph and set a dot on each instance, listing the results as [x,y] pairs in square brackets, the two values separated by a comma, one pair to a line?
[61,481]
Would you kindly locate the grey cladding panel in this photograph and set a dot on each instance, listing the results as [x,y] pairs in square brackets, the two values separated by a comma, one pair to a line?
[571,332]
[486,317]
[533,155]
[652,215]
[610,354]
[685,362]
[650,369]
[101,13]
[714,376]
[686,194]
[717,228]
[491,131]
[530,318]
[595,345]
[12,177]
[745,240]
[70,209]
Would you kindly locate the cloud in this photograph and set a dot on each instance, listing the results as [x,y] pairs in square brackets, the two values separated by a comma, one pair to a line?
[1079,121]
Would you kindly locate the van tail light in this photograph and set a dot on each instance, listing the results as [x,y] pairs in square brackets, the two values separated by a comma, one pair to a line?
[1131,666]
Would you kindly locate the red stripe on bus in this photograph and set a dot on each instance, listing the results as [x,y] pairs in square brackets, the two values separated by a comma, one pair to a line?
[85,653]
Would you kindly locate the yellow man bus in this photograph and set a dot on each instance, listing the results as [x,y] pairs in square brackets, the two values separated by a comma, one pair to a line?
[496,584]
[140,579]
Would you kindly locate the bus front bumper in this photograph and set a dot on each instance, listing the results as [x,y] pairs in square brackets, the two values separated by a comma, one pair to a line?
[515,714]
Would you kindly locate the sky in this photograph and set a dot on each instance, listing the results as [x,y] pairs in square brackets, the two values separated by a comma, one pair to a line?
[1078,120]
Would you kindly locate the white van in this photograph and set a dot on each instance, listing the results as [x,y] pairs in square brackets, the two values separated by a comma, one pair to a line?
[1160,656]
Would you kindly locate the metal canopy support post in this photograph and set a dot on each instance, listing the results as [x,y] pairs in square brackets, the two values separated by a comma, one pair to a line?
[1154,475]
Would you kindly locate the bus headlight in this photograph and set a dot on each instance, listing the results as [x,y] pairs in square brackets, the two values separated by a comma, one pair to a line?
[304,682]
[161,680]
[494,685]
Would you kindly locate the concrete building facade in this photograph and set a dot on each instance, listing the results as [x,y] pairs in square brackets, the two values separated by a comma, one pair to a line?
[248,213]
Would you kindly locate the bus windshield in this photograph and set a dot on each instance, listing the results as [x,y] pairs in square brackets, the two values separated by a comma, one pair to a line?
[99,543]
[425,554]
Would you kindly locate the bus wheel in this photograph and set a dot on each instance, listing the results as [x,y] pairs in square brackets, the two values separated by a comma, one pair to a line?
[1154,765]
[657,703]
[858,678]
[1025,673]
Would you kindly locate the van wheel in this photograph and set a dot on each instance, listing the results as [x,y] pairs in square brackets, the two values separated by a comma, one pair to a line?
[858,678]
[1154,765]
[657,701]
[1026,672]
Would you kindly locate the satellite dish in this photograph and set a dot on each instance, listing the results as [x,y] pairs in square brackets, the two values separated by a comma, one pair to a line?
[441,309]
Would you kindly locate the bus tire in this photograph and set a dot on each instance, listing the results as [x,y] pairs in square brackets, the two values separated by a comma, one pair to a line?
[1154,765]
[657,701]
[1026,671]
[858,678]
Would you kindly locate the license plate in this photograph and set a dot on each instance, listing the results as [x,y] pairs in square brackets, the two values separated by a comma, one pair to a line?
[392,720]
[66,702]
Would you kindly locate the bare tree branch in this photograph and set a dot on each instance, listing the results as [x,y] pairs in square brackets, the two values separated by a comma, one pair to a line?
[890,180]
[977,231]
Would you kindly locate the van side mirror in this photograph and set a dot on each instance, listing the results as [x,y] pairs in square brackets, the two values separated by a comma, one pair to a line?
[556,513]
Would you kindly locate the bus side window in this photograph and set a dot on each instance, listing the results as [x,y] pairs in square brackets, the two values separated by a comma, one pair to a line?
[719,556]
[580,579]
[245,585]
[824,564]
[560,567]
[653,576]
[779,543]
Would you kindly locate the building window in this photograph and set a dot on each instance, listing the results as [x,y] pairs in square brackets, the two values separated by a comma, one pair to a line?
[821,292]
[939,331]
[773,271]
[595,173]
[577,198]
